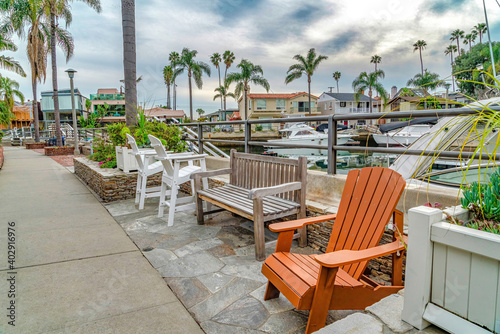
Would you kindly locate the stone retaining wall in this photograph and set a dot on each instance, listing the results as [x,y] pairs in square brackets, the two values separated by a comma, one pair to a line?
[33,146]
[110,184]
[64,150]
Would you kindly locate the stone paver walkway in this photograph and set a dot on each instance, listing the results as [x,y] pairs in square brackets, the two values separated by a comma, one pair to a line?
[76,271]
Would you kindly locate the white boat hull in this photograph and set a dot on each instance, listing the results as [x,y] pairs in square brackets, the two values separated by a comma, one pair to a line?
[341,140]
[400,140]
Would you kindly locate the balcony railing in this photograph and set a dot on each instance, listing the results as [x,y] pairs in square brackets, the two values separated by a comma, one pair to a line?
[305,110]
[113,97]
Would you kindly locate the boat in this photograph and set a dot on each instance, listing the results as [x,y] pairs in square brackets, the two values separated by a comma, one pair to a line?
[302,134]
[402,137]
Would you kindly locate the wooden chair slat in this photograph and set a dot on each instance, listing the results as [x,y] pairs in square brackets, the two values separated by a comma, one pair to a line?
[297,283]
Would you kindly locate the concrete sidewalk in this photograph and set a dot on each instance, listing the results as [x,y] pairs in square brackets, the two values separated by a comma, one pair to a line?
[76,271]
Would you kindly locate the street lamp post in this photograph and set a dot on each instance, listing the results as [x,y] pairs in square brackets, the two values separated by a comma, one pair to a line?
[71,73]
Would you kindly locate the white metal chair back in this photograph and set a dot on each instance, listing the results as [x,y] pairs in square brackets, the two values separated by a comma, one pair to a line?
[162,154]
[133,144]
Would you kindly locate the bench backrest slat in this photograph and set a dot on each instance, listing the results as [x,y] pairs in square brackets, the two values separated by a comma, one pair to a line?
[257,171]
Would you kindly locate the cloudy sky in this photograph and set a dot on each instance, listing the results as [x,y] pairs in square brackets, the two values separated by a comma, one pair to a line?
[268,33]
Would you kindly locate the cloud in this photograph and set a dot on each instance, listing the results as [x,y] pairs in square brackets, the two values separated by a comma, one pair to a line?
[443,6]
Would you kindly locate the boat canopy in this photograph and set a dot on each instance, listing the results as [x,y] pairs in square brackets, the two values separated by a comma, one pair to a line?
[384,128]
[323,127]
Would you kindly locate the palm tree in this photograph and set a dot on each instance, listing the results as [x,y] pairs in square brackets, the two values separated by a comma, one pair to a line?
[57,9]
[376,60]
[469,39]
[223,92]
[129,61]
[455,36]
[29,14]
[174,62]
[194,68]
[168,73]
[426,81]
[420,45]
[449,51]
[9,63]
[369,81]
[336,76]
[306,65]
[6,116]
[228,58]
[9,89]
[480,29]
[216,60]
[249,74]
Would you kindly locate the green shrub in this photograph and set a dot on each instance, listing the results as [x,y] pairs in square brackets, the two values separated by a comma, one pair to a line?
[117,133]
[258,128]
[104,153]
[1,135]
[169,135]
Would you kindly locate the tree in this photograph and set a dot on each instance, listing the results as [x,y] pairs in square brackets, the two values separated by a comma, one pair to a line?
[249,73]
[174,59]
[129,61]
[480,29]
[200,112]
[58,9]
[369,81]
[216,60]
[194,68]
[8,63]
[228,58]
[223,92]
[469,39]
[30,14]
[88,105]
[168,74]
[376,60]
[449,51]
[6,116]
[9,89]
[456,35]
[336,76]
[420,45]
[306,65]
[426,81]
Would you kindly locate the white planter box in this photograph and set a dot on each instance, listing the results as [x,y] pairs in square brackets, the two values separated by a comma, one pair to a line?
[125,160]
[452,274]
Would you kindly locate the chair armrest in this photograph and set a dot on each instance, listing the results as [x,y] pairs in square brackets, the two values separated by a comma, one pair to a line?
[345,257]
[149,152]
[279,189]
[185,157]
[200,175]
[299,223]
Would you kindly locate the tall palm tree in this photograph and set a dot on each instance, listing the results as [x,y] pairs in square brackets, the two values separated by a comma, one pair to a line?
[223,92]
[469,39]
[193,68]
[129,61]
[456,35]
[480,29]
[216,59]
[168,73]
[336,76]
[369,81]
[174,58]
[420,45]
[249,73]
[426,81]
[449,51]
[9,89]
[8,63]
[30,15]
[376,59]
[228,58]
[56,10]
[306,65]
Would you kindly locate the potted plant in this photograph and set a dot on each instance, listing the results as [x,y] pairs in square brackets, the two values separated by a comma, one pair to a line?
[125,160]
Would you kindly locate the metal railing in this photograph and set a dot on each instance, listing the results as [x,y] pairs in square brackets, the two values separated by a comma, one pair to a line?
[332,146]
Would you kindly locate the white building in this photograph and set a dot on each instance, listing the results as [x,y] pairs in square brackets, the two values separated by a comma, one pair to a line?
[345,103]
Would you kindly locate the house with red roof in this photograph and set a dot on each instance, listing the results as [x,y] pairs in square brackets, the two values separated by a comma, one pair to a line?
[267,106]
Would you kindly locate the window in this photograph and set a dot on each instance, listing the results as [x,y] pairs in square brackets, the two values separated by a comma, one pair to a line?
[249,104]
[343,104]
[261,105]
[280,104]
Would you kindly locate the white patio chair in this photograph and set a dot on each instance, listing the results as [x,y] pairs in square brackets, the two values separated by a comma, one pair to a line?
[173,176]
[146,167]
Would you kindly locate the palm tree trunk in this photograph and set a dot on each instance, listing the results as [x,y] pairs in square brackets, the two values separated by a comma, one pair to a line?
[175,96]
[246,106]
[190,97]
[224,108]
[337,86]
[129,61]
[480,40]
[458,46]
[421,62]
[221,102]
[370,96]
[309,90]
[35,113]
[55,96]
[452,76]
[168,97]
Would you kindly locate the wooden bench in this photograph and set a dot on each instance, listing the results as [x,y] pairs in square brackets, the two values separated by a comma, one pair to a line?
[261,188]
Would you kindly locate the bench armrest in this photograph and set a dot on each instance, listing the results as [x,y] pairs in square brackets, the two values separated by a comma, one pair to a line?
[279,189]
[345,257]
[200,175]
[299,223]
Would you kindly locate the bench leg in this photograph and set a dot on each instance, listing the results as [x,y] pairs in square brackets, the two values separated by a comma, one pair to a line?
[271,291]
[321,300]
[258,227]
[199,210]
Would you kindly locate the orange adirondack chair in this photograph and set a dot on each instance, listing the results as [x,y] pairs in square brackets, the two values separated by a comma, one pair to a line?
[335,280]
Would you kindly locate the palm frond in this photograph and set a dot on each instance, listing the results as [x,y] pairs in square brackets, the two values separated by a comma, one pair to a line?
[260,81]
[10,64]
[293,76]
